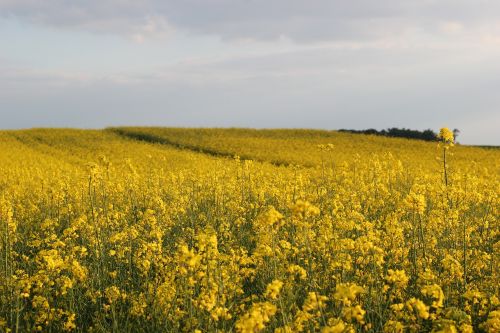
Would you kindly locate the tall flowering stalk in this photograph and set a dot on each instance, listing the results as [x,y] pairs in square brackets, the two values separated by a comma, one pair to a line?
[446,138]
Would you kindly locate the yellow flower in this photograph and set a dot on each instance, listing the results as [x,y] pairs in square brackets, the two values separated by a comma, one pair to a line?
[446,327]
[393,326]
[416,202]
[52,260]
[446,136]
[256,318]
[419,307]
[112,294]
[296,269]
[314,301]
[40,302]
[347,292]
[492,324]
[354,313]
[336,328]
[79,272]
[273,289]
[398,278]
[303,209]
[138,306]
[70,325]
[269,218]
[66,283]
[436,293]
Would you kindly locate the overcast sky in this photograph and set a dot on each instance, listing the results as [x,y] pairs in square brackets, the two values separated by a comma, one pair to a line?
[252,63]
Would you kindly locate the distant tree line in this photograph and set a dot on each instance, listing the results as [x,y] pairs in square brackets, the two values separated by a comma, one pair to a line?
[426,135]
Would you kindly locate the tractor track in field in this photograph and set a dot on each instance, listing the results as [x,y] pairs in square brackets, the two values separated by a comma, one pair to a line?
[151,138]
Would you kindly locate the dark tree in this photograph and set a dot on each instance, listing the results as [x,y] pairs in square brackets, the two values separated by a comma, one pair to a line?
[456,132]
[427,135]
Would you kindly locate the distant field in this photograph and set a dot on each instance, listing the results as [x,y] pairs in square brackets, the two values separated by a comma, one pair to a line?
[299,147]
[136,229]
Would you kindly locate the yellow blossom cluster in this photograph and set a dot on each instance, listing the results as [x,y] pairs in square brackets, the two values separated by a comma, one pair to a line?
[163,230]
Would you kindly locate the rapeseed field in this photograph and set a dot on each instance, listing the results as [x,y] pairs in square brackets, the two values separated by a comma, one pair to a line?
[232,230]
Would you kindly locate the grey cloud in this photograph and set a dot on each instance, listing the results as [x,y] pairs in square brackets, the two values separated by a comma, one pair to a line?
[123,17]
[300,20]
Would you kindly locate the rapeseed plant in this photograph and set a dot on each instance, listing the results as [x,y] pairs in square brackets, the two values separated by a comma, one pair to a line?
[108,234]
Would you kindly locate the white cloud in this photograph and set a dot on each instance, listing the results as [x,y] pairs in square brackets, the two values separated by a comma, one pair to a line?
[452,27]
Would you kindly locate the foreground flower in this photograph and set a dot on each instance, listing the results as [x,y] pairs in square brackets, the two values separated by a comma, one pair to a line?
[446,136]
